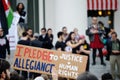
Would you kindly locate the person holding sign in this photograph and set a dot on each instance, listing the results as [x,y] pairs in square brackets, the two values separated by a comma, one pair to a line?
[72,43]
[84,49]
[24,41]
[44,38]
[60,45]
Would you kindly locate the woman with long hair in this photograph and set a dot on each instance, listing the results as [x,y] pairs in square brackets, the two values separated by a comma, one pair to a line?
[50,36]
[20,9]
[71,43]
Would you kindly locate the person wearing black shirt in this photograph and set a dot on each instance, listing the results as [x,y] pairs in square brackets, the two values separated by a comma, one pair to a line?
[4,45]
[44,39]
[20,9]
[35,42]
[24,41]
[21,27]
[50,36]
[30,33]
[60,45]
[84,49]
[71,43]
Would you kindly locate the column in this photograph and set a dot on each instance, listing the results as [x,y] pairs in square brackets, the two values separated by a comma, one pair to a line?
[117,20]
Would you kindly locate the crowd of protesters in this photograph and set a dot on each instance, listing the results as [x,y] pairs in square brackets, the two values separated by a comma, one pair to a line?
[71,42]
[5,74]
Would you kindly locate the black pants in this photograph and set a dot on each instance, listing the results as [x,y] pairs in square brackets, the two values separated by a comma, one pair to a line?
[87,66]
[100,54]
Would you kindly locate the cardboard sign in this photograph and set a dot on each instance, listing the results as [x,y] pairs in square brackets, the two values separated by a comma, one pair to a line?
[40,60]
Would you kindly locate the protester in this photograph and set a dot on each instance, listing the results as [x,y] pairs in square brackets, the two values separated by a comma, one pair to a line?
[35,42]
[114,51]
[44,38]
[108,41]
[111,31]
[30,33]
[4,45]
[86,76]
[64,30]
[77,37]
[84,49]
[60,45]
[21,23]
[15,76]
[71,43]
[101,25]
[4,70]
[50,36]
[107,76]
[20,9]
[24,41]
[95,33]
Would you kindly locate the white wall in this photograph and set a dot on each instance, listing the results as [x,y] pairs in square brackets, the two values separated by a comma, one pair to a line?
[69,13]
[50,13]
[117,20]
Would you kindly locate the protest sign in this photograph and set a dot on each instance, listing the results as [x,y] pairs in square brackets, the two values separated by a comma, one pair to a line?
[41,60]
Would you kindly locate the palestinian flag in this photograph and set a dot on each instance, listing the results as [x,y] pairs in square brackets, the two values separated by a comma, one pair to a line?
[3,19]
[8,12]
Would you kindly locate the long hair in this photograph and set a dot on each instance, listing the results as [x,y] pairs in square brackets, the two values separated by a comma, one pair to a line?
[69,37]
[22,6]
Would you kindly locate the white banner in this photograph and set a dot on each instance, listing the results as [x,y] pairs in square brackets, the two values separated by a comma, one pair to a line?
[13,35]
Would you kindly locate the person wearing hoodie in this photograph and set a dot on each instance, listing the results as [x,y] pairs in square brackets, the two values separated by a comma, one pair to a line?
[4,45]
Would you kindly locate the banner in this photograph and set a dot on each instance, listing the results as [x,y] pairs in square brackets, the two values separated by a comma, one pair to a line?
[9,21]
[40,60]
[13,34]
